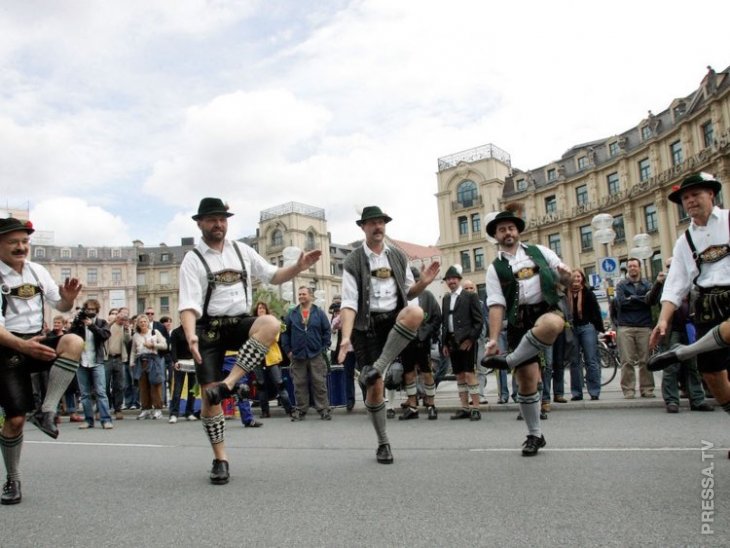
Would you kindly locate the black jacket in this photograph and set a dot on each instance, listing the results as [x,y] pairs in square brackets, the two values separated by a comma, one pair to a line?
[468,318]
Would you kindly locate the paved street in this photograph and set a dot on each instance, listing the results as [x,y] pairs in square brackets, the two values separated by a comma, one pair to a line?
[623,476]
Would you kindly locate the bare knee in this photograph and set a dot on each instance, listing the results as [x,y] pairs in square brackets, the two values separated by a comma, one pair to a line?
[13,426]
[550,325]
[411,317]
[265,329]
[70,346]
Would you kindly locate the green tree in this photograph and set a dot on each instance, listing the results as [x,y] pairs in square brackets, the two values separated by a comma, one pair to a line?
[277,306]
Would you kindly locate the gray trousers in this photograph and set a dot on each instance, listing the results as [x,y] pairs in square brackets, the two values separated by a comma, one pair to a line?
[302,371]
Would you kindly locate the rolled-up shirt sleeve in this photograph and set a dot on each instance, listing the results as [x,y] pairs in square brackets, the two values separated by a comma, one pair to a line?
[191,289]
[494,289]
[681,273]
[349,291]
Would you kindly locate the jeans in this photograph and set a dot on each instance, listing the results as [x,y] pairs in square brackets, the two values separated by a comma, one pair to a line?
[586,339]
[93,380]
[244,408]
[178,379]
[670,376]
[131,390]
[114,370]
[547,374]
[559,350]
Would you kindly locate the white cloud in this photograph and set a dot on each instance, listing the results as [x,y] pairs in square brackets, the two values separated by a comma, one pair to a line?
[143,107]
[74,221]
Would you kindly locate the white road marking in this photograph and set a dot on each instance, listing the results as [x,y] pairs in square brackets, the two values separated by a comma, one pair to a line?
[98,444]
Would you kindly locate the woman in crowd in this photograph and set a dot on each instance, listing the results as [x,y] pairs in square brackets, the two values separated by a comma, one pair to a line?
[269,373]
[587,322]
[148,367]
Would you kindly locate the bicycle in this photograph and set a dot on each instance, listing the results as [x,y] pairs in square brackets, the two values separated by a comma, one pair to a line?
[608,356]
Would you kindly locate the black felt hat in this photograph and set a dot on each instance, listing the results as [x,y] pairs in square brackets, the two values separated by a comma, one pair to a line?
[212,206]
[372,212]
[696,180]
[501,217]
[11,224]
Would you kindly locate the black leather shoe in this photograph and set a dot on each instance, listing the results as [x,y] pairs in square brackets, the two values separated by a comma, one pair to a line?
[662,360]
[532,444]
[704,406]
[253,424]
[408,414]
[460,414]
[219,473]
[672,408]
[11,492]
[45,422]
[217,393]
[369,375]
[433,413]
[576,398]
[384,455]
[498,361]
[390,413]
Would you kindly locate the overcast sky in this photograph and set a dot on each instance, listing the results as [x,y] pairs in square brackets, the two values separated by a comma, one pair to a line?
[116,118]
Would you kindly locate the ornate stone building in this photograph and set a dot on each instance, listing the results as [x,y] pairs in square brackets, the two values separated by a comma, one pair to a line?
[628,175]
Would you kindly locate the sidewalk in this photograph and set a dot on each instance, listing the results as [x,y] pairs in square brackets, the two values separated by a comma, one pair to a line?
[447,398]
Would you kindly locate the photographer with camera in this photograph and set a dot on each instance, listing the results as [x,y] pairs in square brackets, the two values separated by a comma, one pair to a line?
[92,375]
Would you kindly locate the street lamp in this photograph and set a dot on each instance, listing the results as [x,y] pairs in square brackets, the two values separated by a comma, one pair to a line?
[603,231]
[642,249]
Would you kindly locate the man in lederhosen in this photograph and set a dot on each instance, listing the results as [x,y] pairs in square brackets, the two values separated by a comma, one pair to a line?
[215,301]
[522,287]
[700,267]
[376,317]
[24,350]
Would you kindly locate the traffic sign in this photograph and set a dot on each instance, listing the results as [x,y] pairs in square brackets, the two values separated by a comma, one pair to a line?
[595,280]
[609,267]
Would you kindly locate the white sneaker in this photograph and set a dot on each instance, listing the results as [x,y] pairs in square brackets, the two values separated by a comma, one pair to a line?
[145,414]
[192,418]
[107,426]
[157,414]
[173,419]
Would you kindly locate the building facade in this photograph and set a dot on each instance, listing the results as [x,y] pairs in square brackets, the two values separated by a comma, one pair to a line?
[628,175]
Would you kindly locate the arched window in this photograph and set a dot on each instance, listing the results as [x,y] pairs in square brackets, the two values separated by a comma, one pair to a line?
[310,241]
[466,193]
[277,238]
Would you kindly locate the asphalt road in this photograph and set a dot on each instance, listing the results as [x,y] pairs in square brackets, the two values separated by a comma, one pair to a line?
[608,477]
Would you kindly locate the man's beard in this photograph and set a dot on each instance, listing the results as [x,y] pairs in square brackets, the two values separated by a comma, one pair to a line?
[214,235]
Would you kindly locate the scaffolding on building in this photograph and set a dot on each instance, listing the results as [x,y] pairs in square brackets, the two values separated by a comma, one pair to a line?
[292,207]
[484,152]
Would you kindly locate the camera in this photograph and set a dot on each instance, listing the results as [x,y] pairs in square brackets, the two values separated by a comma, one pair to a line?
[78,326]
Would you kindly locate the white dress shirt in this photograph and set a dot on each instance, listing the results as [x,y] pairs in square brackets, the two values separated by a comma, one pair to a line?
[29,316]
[226,300]
[529,291]
[383,291]
[683,269]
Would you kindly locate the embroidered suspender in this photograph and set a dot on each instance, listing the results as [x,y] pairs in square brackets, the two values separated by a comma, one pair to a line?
[715,253]
[213,279]
[6,291]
